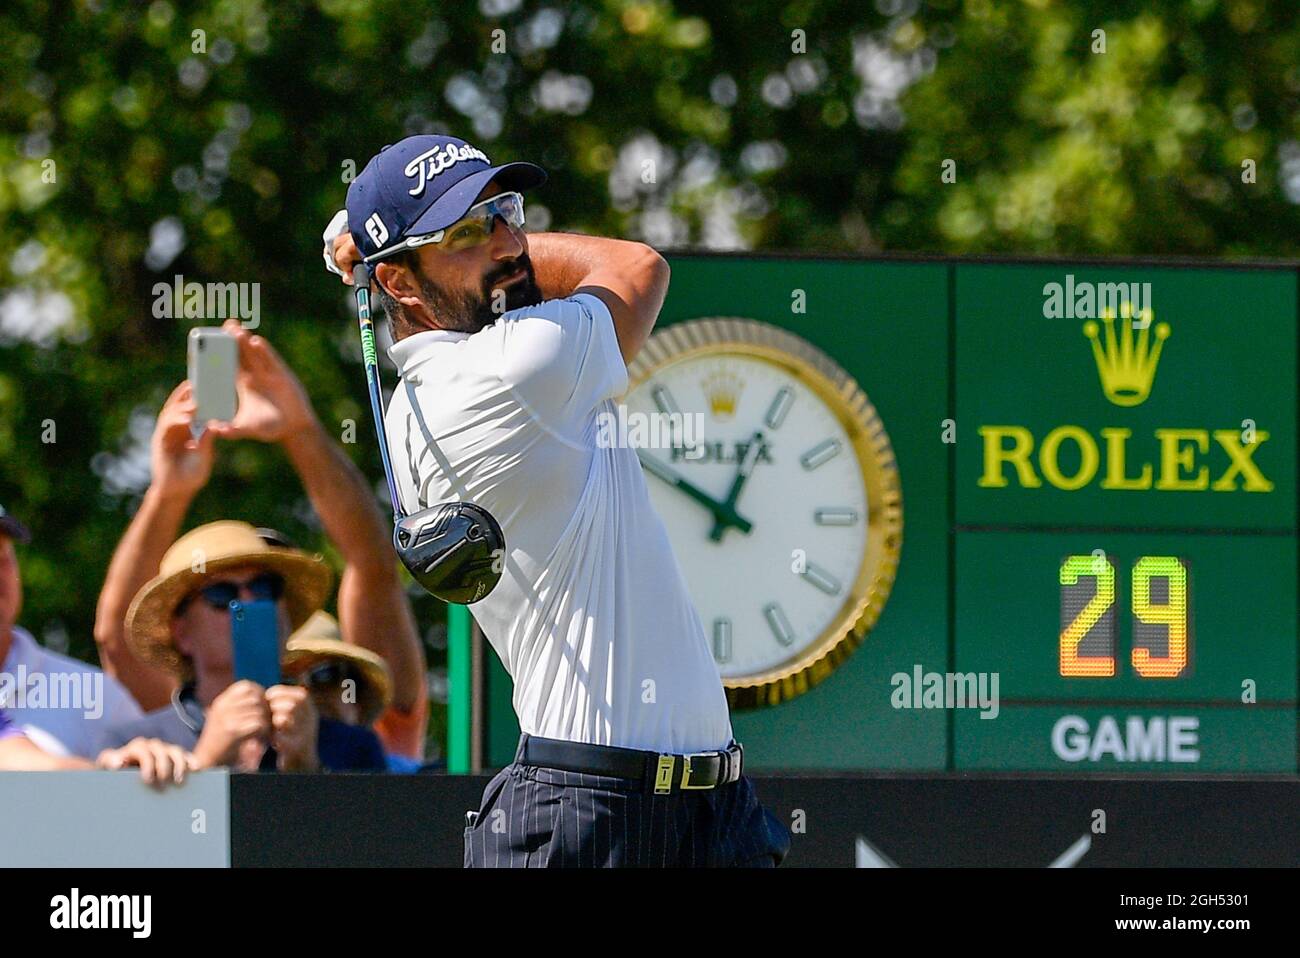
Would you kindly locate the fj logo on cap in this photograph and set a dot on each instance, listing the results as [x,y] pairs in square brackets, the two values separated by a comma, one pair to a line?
[377,230]
[428,165]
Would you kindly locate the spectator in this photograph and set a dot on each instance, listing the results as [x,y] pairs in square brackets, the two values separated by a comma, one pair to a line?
[57,702]
[373,608]
[180,622]
[346,682]
[159,763]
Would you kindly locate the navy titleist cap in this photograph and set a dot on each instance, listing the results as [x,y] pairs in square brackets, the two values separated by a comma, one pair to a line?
[423,184]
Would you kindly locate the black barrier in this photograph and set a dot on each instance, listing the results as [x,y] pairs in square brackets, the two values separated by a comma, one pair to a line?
[350,819]
[836,821]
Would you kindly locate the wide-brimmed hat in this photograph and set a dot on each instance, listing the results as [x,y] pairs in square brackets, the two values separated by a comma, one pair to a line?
[319,640]
[195,558]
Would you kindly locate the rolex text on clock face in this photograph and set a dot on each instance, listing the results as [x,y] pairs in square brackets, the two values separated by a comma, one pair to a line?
[765,501]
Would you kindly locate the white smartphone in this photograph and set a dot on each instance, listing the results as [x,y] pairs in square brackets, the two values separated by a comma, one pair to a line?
[213,358]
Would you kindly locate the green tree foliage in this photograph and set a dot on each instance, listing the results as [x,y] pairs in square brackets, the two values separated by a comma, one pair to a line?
[214,138]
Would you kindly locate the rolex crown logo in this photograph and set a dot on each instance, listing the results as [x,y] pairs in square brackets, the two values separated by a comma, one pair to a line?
[1126,362]
[723,390]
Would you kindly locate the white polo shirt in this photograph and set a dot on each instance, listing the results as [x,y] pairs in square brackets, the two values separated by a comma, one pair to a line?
[592,617]
[60,703]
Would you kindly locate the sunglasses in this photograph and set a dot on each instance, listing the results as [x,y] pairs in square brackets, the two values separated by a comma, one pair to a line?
[219,595]
[472,229]
[327,675]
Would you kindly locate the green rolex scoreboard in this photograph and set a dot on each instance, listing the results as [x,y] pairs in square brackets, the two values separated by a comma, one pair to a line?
[1125,516]
[1096,567]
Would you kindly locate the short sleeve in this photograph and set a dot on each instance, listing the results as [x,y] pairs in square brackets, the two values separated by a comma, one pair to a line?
[562,357]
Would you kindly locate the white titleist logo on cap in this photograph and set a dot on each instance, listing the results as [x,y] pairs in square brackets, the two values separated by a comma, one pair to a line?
[428,165]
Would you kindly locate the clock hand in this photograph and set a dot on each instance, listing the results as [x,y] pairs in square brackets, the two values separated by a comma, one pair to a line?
[747,463]
[725,514]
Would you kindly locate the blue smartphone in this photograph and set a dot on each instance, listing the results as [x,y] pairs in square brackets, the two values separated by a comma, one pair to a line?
[255,637]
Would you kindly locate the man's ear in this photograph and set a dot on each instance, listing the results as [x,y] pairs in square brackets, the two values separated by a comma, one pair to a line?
[398,282]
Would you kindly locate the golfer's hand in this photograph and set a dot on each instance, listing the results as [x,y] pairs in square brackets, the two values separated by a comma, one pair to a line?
[236,716]
[272,402]
[159,762]
[340,252]
[294,725]
[179,463]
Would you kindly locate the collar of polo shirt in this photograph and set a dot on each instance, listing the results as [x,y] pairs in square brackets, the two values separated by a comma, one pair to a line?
[411,351]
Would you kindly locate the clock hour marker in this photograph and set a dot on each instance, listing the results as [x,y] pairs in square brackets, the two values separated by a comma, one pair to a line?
[835,517]
[780,406]
[821,453]
[664,400]
[822,579]
[779,624]
[721,640]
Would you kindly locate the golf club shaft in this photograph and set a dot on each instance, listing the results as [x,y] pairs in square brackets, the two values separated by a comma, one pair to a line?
[361,277]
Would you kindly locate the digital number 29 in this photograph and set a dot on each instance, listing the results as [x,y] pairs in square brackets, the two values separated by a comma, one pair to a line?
[1149,618]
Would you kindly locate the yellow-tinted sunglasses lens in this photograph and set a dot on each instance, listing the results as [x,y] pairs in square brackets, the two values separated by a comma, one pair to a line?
[466,234]
[475,228]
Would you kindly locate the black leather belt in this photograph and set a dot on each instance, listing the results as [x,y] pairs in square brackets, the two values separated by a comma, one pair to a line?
[662,773]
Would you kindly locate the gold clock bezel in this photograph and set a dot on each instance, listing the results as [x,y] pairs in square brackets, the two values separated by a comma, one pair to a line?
[750,338]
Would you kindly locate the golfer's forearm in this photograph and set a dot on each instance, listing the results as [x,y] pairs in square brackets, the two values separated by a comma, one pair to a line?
[135,561]
[630,278]
[341,497]
[563,262]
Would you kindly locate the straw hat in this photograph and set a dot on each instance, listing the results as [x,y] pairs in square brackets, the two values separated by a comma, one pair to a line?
[213,548]
[319,640]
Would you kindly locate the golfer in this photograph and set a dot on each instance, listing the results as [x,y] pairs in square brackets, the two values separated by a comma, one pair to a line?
[509,347]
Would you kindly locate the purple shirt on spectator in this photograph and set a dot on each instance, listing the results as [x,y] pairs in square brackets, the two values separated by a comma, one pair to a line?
[7,728]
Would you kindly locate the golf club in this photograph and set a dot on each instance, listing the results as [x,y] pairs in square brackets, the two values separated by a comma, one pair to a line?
[455,550]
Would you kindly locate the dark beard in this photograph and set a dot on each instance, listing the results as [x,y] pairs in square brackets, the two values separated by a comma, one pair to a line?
[466,312]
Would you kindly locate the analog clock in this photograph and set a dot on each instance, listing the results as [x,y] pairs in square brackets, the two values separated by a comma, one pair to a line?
[780,492]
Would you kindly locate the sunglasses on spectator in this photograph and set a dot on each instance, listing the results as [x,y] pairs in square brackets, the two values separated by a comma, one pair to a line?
[219,595]
[327,675]
[473,229]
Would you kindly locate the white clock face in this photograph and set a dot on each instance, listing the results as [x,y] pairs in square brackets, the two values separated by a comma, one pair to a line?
[771,568]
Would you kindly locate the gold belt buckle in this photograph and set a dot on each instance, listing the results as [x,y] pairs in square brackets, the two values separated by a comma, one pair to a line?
[686,770]
[664,774]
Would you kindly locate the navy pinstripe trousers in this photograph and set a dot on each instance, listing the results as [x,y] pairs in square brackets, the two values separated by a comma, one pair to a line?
[534,817]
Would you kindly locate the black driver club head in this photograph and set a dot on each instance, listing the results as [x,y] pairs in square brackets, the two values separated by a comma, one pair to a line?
[455,550]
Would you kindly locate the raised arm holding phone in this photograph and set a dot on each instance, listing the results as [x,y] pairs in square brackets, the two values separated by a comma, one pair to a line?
[272,407]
